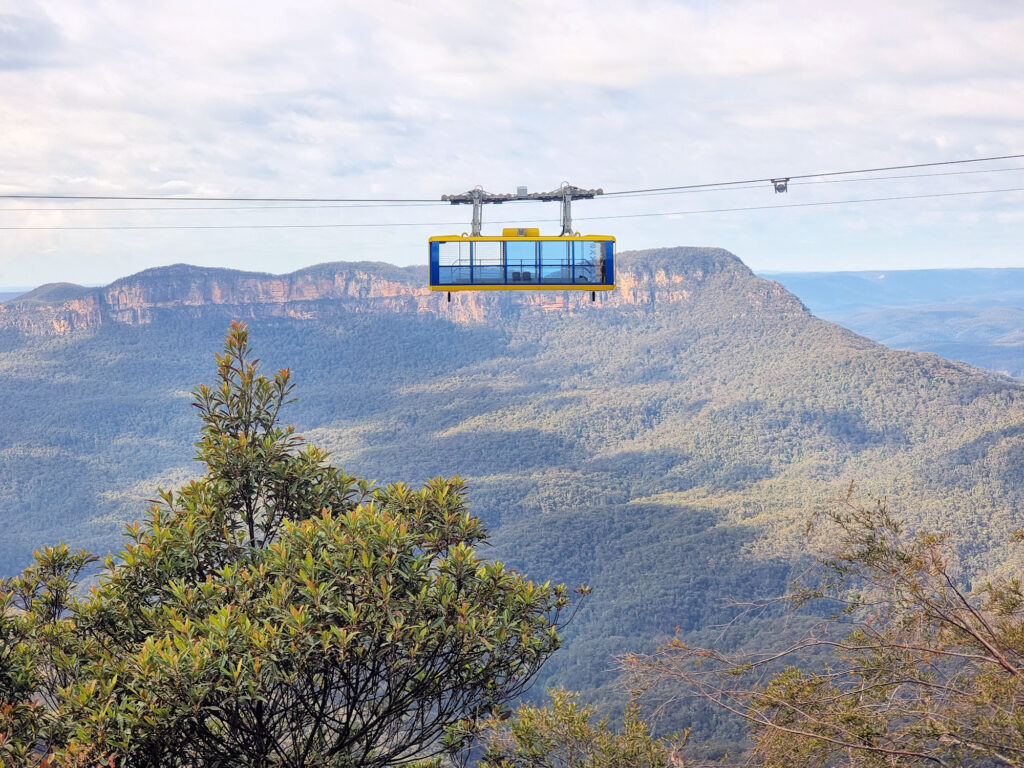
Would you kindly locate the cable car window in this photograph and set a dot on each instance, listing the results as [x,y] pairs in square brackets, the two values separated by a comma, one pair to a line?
[554,261]
[451,253]
[488,266]
[585,256]
[454,262]
[521,261]
[606,262]
[528,262]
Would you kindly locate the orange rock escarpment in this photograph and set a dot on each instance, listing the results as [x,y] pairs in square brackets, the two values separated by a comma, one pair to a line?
[326,290]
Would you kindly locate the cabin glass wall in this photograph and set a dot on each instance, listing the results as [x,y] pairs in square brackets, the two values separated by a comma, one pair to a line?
[454,262]
[584,260]
[488,265]
[521,262]
[554,261]
[607,274]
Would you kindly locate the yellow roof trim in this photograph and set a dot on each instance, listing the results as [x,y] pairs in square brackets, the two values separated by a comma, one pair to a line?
[500,238]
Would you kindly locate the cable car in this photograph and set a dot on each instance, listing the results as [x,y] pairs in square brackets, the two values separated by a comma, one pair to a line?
[522,259]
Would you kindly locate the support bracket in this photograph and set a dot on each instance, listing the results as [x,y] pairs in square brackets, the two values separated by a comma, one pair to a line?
[565,194]
[477,197]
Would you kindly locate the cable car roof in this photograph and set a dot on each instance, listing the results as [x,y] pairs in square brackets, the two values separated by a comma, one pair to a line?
[532,234]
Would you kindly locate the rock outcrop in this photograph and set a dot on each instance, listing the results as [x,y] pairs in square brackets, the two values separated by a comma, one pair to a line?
[326,290]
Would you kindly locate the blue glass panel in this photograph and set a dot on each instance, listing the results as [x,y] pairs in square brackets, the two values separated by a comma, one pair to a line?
[488,265]
[554,261]
[522,274]
[521,261]
[578,261]
[488,274]
[584,265]
[454,275]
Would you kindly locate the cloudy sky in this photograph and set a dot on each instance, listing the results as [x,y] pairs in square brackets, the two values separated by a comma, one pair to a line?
[395,99]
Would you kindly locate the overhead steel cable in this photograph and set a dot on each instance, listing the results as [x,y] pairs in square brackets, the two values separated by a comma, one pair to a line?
[241,226]
[317,207]
[194,199]
[760,186]
[806,205]
[526,221]
[172,209]
[385,200]
[811,175]
[914,175]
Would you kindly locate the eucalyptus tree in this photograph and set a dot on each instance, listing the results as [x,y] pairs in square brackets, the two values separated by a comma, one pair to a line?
[914,667]
[277,611]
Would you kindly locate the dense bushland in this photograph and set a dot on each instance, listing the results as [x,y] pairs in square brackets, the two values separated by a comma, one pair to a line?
[274,612]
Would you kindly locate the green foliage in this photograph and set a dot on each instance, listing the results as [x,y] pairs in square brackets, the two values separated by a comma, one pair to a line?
[973,315]
[665,451]
[564,734]
[39,653]
[274,612]
[920,670]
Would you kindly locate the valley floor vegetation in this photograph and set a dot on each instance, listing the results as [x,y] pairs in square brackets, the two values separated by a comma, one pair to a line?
[274,612]
[912,668]
[279,612]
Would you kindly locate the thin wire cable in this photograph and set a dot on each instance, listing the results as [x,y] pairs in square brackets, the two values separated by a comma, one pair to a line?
[244,226]
[914,176]
[230,207]
[222,199]
[804,205]
[426,200]
[316,207]
[812,175]
[526,221]
[761,186]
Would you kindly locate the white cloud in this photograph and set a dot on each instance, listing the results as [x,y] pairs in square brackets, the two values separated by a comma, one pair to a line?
[28,38]
[416,99]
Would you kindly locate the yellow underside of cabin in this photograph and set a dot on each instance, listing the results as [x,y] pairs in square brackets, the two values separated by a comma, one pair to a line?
[531,287]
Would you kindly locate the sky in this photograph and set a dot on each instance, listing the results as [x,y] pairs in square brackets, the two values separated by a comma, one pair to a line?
[412,100]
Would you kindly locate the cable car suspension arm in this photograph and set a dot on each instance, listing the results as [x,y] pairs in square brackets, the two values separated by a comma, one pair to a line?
[477,197]
[565,194]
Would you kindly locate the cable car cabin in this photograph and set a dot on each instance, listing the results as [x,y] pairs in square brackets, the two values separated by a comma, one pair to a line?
[521,259]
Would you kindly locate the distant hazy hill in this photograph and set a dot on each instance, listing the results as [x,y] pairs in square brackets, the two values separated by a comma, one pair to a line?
[662,444]
[976,315]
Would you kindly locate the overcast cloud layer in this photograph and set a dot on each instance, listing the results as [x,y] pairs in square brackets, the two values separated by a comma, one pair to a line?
[414,99]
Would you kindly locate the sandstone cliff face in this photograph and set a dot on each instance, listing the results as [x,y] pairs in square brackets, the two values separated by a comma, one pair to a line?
[670,275]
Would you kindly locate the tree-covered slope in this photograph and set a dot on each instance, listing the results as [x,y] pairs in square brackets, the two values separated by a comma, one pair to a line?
[975,315]
[662,445]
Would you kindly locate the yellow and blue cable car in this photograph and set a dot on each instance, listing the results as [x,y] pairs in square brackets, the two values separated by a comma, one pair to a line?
[522,259]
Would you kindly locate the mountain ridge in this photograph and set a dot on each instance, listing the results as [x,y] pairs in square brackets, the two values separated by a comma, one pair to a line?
[663,274]
[975,315]
[663,445]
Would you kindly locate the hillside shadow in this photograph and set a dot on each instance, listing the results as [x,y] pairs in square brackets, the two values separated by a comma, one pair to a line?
[468,453]
[652,567]
[961,465]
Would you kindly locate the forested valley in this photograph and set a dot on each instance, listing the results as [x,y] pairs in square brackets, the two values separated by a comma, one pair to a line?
[666,447]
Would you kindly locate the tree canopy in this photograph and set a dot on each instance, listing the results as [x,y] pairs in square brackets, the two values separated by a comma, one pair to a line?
[566,734]
[914,668]
[274,612]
